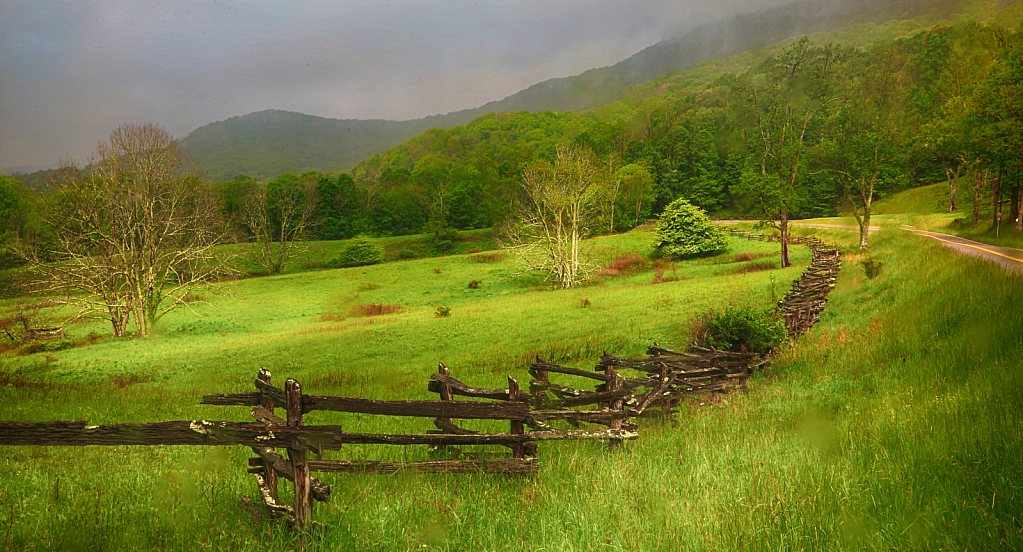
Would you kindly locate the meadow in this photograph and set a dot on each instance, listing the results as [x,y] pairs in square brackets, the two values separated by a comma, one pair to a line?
[893,424]
[926,208]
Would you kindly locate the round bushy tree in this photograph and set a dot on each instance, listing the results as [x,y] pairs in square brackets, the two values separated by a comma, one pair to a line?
[359,252]
[685,230]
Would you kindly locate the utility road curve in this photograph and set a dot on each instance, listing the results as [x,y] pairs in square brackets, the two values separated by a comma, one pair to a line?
[1006,257]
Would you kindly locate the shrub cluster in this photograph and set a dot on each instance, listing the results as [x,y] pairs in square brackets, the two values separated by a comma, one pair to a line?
[871,268]
[684,230]
[738,328]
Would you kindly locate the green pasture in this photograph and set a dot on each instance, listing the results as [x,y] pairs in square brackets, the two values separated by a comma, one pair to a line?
[894,424]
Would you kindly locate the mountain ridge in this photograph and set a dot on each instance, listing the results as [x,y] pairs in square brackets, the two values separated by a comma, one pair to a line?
[266,143]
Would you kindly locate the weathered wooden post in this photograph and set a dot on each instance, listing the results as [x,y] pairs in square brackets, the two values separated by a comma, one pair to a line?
[299,463]
[446,394]
[666,407]
[517,427]
[269,474]
[615,382]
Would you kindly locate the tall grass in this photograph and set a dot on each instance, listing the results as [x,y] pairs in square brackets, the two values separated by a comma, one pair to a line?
[894,424]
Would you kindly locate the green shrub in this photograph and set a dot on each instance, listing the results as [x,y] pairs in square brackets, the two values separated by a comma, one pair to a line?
[871,268]
[684,230]
[358,252]
[746,328]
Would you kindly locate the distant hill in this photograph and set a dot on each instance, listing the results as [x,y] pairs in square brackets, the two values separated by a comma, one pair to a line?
[268,143]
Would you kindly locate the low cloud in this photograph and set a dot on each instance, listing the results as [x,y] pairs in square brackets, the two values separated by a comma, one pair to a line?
[72,73]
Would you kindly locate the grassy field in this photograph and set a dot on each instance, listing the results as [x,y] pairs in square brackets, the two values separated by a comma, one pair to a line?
[894,424]
[926,208]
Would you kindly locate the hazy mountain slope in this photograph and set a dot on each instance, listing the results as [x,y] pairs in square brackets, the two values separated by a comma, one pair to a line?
[269,143]
[272,142]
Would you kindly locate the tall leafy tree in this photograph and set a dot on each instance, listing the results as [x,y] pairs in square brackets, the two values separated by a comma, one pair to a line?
[637,193]
[337,211]
[1001,109]
[783,99]
[864,143]
[702,186]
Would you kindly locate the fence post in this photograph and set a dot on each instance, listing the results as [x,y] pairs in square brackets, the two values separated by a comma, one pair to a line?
[517,427]
[269,474]
[666,407]
[446,394]
[303,515]
[615,382]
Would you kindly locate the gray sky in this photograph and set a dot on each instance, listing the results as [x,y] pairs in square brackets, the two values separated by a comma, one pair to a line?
[72,71]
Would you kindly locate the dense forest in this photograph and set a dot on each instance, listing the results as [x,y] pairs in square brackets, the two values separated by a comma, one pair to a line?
[938,105]
[806,128]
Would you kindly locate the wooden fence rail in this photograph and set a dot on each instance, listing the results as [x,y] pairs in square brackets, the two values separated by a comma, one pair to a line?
[270,432]
[803,304]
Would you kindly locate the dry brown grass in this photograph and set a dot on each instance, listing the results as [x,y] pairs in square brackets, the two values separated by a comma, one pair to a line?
[624,264]
[750,256]
[484,258]
[361,310]
[375,309]
[756,267]
[124,380]
[662,266]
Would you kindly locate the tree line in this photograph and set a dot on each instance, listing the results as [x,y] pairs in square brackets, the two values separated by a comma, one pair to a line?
[807,131]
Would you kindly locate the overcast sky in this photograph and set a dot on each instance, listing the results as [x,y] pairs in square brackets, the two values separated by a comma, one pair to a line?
[72,71]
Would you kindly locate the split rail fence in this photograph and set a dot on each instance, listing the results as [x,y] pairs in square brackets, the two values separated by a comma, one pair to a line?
[270,432]
[803,304]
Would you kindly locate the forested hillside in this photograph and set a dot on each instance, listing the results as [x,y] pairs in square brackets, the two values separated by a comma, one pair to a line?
[268,143]
[913,106]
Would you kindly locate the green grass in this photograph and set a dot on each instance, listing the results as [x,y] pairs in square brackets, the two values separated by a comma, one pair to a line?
[926,208]
[315,255]
[894,424]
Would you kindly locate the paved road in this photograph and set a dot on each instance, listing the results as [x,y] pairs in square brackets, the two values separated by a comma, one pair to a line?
[1008,258]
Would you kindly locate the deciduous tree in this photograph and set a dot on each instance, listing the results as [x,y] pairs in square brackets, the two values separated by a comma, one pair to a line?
[135,231]
[278,214]
[864,145]
[557,208]
[783,98]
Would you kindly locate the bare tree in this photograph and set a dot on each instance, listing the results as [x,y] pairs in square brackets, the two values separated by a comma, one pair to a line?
[135,231]
[558,206]
[278,215]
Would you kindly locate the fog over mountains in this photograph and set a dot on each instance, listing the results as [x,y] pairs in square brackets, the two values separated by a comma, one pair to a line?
[271,142]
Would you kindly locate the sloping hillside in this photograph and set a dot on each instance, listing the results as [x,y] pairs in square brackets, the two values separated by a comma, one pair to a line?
[269,143]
